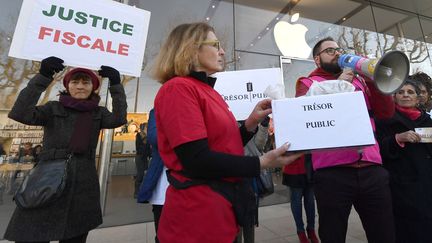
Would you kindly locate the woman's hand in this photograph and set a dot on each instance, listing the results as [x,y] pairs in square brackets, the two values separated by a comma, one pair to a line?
[278,157]
[261,110]
[50,66]
[408,137]
[111,73]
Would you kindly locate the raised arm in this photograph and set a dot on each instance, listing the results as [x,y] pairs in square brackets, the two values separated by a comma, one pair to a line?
[25,110]
[117,117]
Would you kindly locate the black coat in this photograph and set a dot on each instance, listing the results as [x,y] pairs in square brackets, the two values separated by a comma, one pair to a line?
[78,210]
[410,167]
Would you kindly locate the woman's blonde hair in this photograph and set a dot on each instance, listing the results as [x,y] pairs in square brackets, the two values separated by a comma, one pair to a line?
[177,56]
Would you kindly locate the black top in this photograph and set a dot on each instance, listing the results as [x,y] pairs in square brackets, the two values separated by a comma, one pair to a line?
[142,147]
[410,167]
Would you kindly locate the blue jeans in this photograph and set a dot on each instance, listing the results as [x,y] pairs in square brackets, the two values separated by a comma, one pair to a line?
[309,206]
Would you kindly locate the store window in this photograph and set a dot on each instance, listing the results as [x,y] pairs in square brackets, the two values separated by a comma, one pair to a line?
[426,25]
[402,31]
[16,140]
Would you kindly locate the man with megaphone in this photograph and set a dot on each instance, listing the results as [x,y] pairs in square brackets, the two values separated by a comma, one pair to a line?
[347,177]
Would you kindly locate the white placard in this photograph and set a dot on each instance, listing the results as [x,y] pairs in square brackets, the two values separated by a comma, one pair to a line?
[242,90]
[322,122]
[83,33]
[425,134]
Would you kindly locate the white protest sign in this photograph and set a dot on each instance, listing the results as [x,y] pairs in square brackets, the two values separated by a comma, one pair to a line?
[425,134]
[323,121]
[242,90]
[83,33]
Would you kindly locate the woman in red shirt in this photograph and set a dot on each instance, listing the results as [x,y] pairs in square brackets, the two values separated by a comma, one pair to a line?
[200,142]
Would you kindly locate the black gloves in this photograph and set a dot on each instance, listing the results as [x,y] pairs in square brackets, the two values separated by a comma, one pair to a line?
[51,65]
[265,122]
[111,73]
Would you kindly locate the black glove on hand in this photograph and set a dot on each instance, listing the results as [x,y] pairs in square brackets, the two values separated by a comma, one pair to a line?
[265,122]
[51,65]
[111,73]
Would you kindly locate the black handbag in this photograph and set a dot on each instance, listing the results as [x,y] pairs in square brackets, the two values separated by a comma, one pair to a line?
[265,184]
[44,184]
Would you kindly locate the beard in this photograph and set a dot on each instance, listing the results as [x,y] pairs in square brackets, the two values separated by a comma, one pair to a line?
[332,68]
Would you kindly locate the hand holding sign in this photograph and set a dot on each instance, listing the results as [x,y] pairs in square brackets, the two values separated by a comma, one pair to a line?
[50,66]
[408,137]
[111,73]
[278,157]
[259,113]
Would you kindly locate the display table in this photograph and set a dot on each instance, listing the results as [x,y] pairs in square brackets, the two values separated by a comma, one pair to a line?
[123,164]
[16,166]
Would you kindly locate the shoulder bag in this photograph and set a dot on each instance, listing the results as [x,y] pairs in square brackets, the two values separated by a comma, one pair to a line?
[265,184]
[44,184]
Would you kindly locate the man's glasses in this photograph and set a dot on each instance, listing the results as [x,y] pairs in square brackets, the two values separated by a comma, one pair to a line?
[331,51]
[215,44]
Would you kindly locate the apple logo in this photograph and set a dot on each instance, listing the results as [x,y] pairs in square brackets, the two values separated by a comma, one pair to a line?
[291,38]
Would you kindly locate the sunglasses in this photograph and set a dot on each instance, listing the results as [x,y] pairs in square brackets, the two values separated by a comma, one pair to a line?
[331,51]
[215,44]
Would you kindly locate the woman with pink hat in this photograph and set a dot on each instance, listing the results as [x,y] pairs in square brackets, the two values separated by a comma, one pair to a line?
[71,127]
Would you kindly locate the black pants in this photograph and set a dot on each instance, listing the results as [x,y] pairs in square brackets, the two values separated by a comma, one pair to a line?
[337,189]
[157,211]
[248,234]
[141,164]
[77,239]
[413,230]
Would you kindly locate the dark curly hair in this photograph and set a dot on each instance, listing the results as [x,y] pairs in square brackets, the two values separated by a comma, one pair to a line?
[423,79]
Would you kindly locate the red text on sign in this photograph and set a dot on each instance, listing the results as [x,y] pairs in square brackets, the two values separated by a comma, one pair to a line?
[83,41]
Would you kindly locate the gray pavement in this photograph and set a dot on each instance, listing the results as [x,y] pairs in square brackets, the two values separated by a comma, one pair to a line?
[276,226]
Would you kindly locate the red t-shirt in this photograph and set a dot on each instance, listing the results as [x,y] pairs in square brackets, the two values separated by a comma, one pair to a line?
[189,110]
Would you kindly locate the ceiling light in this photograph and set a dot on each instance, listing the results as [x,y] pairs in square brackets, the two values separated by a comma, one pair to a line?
[295,17]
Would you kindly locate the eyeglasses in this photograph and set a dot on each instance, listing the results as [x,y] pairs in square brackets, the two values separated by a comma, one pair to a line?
[331,51]
[215,44]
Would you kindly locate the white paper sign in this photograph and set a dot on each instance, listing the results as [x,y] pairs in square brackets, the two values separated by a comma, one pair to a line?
[83,33]
[321,122]
[425,134]
[242,90]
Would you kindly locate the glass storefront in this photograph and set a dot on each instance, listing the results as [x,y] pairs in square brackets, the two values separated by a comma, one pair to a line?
[246,29]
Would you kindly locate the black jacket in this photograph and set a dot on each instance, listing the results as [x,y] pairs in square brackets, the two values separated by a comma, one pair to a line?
[410,167]
[78,210]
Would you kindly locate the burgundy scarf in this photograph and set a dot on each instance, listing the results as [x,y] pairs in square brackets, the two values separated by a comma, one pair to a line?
[320,72]
[412,113]
[80,139]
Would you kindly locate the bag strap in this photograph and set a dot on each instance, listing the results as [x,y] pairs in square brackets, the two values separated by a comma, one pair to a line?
[224,188]
[183,185]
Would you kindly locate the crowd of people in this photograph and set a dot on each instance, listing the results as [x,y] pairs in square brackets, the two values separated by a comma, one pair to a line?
[199,180]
